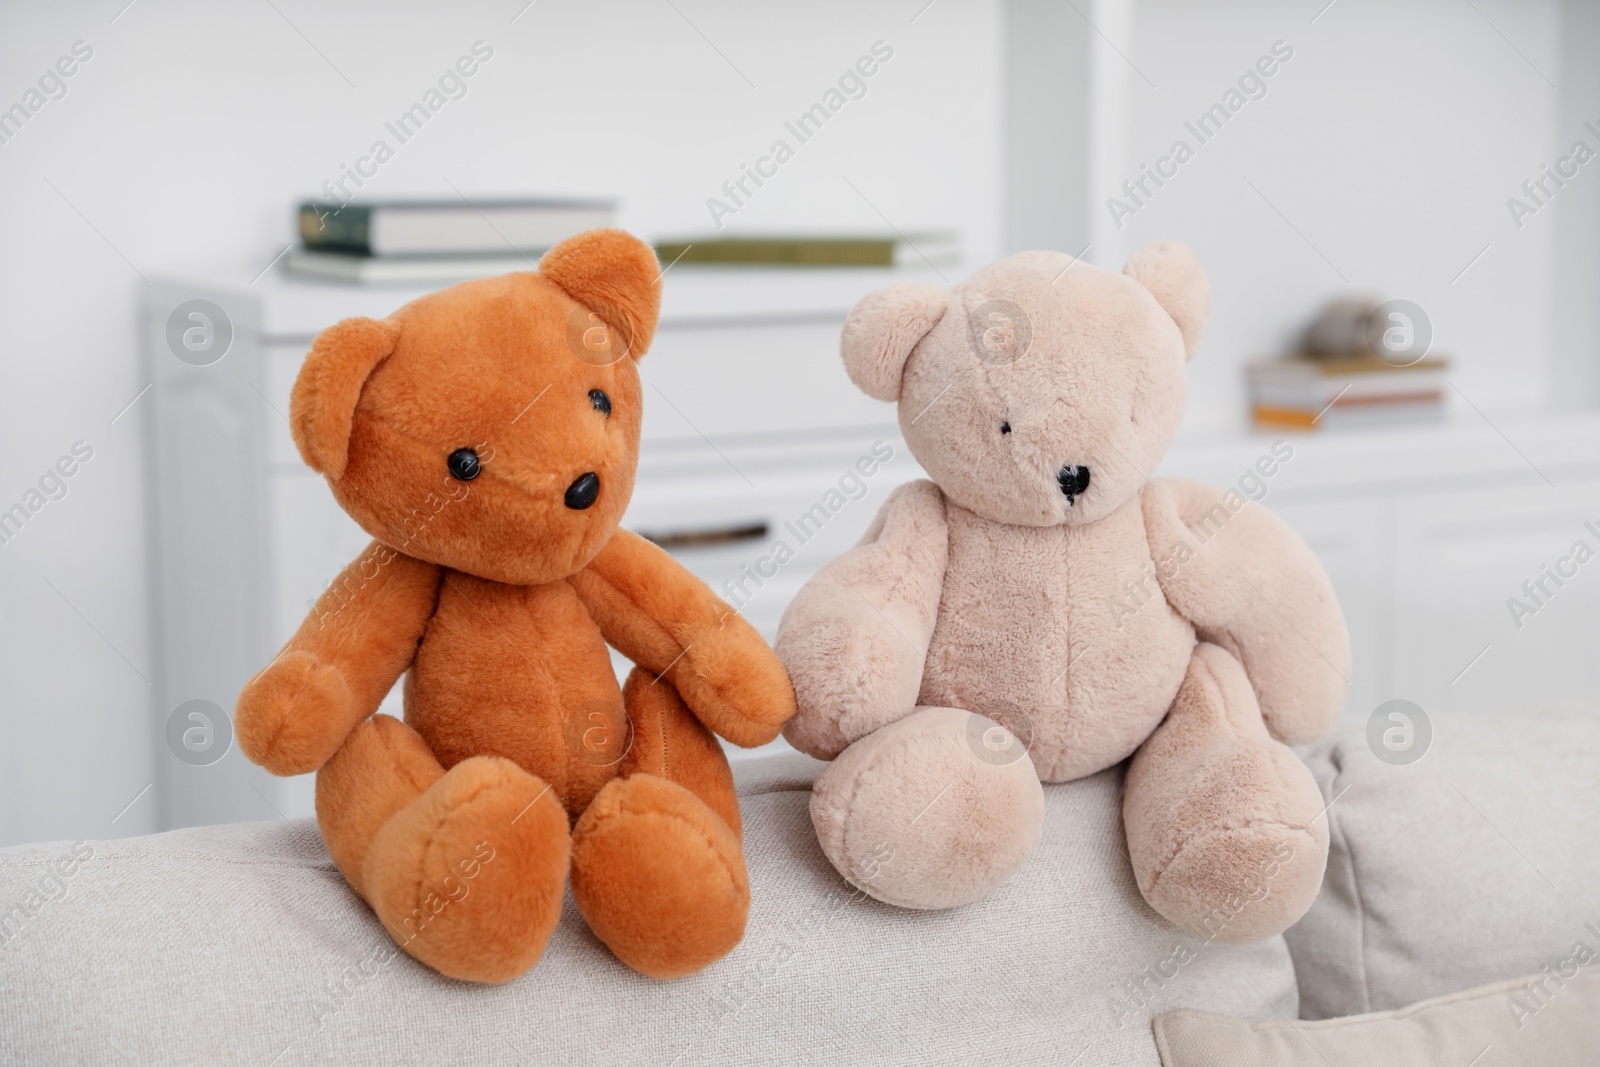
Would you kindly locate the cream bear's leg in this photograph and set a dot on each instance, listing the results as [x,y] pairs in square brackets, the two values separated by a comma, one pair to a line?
[932,811]
[1226,827]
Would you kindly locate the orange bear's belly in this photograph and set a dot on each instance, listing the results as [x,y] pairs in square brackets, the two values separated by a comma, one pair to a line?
[520,672]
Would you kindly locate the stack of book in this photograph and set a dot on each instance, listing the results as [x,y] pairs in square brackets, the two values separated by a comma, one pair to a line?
[412,242]
[1327,392]
[779,250]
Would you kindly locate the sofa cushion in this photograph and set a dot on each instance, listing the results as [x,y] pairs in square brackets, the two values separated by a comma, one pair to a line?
[242,944]
[1469,866]
[1543,1019]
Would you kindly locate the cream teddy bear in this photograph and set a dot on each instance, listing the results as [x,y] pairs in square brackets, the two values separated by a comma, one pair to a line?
[1042,609]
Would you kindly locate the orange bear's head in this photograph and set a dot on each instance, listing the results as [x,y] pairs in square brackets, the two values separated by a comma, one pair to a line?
[492,427]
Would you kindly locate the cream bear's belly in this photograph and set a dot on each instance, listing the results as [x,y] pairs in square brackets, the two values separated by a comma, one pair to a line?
[1066,625]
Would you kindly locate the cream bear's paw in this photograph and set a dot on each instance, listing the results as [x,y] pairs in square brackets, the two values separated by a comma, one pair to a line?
[933,811]
[1241,884]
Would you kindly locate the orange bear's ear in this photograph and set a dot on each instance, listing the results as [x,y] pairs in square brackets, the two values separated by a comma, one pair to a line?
[615,275]
[322,407]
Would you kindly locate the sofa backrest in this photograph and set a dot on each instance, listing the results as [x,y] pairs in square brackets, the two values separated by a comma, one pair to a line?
[242,943]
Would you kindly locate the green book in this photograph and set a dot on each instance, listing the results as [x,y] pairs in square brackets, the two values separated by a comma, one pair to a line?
[883,251]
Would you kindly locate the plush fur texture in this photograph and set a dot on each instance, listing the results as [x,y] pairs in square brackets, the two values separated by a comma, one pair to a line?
[863,646]
[1168,622]
[1237,875]
[884,328]
[1175,279]
[910,816]
[325,394]
[1086,370]
[520,758]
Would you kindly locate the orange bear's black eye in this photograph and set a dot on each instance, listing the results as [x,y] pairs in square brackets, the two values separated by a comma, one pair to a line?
[601,402]
[463,464]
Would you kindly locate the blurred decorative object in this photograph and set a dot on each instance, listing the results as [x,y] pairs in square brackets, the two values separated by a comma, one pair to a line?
[896,250]
[1363,363]
[1343,327]
[1307,393]
[397,242]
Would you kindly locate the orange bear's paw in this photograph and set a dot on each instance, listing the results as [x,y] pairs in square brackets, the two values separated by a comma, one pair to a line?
[294,715]
[659,877]
[736,686]
[468,878]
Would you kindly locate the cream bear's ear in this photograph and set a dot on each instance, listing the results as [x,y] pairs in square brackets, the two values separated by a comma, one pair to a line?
[616,276]
[322,406]
[882,330]
[1173,275]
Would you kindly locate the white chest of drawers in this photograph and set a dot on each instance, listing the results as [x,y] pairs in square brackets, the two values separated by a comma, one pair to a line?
[748,413]
[750,422]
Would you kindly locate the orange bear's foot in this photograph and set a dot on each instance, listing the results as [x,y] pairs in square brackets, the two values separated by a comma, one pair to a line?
[659,877]
[468,877]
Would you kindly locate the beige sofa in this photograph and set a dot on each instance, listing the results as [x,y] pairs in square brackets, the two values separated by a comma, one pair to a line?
[242,944]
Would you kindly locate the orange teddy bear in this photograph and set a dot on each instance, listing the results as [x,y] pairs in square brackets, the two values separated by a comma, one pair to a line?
[487,436]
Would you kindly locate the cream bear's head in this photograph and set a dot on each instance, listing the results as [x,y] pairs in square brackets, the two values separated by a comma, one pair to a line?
[1042,390]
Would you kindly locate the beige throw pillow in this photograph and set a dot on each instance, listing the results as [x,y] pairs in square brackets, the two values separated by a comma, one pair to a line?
[1550,1019]
[1473,865]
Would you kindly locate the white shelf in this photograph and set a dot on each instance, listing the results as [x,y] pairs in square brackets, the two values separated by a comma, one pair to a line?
[1466,451]
[294,310]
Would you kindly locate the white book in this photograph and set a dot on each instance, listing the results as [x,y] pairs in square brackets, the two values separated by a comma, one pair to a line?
[1371,387]
[449,227]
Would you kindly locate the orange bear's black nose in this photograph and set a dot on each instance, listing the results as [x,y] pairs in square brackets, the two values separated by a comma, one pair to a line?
[583,491]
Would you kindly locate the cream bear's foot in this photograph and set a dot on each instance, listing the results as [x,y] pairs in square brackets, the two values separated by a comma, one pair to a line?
[1226,827]
[932,811]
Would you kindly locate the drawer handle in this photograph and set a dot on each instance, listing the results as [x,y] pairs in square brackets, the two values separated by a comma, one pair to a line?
[712,535]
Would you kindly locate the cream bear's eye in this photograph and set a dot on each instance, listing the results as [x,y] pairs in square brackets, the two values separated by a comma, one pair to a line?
[1005,427]
[601,402]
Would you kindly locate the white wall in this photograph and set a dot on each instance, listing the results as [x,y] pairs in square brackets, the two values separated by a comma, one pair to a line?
[1390,140]
[183,143]
[1575,217]
[1047,114]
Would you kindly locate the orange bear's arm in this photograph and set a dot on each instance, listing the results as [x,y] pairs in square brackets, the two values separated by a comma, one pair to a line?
[663,618]
[335,671]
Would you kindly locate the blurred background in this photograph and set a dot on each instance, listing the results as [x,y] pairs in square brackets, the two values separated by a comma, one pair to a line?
[1424,167]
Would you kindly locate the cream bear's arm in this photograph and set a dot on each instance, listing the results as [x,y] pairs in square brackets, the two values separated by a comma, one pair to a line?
[1247,582]
[855,638]
[652,610]
[337,668]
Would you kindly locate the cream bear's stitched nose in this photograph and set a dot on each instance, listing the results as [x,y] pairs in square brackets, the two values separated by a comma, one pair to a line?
[1073,481]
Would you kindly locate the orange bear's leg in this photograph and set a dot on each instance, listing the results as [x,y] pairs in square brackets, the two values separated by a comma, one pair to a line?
[657,865]
[381,767]
[464,867]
